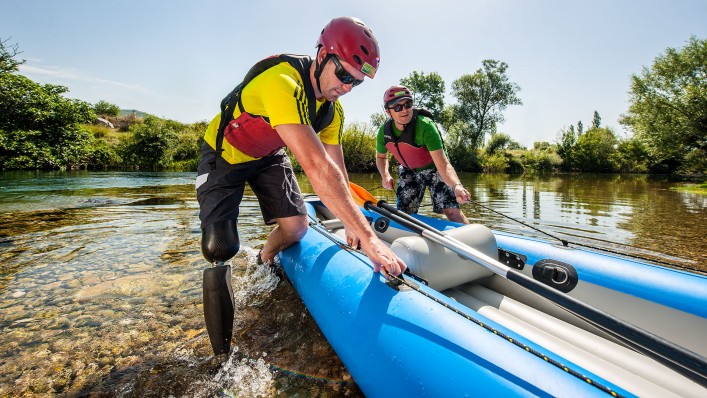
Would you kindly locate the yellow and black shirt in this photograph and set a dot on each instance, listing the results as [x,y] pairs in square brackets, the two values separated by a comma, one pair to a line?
[274,97]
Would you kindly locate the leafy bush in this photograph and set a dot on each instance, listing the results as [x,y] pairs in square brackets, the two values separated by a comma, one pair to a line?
[631,156]
[151,144]
[359,145]
[462,155]
[695,162]
[103,156]
[104,109]
[515,165]
[494,163]
[98,131]
[499,142]
[189,141]
[26,105]
[541,161]
[21,149]
[594,150]
[40,128]
[464,158]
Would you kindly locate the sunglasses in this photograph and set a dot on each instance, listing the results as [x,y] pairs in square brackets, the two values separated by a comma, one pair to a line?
[399,107]
[344,76]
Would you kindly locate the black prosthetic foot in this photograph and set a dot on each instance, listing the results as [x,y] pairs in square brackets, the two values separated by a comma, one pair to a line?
[218,307]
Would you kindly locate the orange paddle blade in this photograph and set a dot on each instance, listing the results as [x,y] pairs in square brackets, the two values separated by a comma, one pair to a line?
[357,198]
[360,195]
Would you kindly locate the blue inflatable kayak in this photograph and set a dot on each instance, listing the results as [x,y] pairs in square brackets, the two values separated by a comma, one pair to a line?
[454,328]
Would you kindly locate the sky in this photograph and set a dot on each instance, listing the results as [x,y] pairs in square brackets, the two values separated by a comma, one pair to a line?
[177,59]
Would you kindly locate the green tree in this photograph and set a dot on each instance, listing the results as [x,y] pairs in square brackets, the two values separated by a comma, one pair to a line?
[481,99]
[494,162]
[668,105]
[596,121]
[8,60]
[565,146]
[104,108]
[540,160]
[542,146]
[26,105]
[359,146]
[499,142]
[39,128]
[151,145]
[377,119]
[631,156]
[594,151]
[428,90]
[460,152]
[185,156]
[103,156]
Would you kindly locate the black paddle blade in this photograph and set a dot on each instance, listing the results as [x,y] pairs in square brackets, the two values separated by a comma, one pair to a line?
[218,307]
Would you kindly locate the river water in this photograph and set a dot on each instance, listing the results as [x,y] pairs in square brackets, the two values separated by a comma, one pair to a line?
[100,278]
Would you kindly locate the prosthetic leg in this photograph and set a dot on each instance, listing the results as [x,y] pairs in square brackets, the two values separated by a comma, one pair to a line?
[218,244]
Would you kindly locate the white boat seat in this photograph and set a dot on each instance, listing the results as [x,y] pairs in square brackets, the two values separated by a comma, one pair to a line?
[441,267]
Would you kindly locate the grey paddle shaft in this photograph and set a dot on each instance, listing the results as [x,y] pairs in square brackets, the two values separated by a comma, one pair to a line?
[468,252]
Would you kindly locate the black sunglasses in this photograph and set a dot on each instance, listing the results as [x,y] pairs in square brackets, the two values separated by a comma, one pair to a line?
[344,76]
[399,107]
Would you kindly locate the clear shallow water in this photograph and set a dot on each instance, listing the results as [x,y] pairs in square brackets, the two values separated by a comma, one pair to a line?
[100,278]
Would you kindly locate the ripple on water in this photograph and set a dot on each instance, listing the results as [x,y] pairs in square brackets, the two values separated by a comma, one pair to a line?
[100,282]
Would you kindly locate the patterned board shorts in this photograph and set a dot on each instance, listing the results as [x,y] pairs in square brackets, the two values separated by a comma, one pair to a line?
[411,189]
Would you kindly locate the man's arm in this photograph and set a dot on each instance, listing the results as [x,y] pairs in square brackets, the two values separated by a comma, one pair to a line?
[330,184]
[336,153]
[449,175]
[383,170]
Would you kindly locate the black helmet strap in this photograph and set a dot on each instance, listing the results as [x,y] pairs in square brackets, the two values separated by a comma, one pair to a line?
[319,68]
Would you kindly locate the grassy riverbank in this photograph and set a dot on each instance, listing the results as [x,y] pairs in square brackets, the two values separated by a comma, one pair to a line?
[692,188]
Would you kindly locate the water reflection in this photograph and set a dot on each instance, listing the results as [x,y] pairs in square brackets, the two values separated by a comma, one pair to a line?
[634,214]
[100,279]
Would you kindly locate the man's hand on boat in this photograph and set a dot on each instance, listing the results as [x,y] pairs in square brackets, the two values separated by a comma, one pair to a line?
[383,258]
[352,239]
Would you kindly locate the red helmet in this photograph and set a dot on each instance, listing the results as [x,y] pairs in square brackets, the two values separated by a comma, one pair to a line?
[395,94]
[351,40]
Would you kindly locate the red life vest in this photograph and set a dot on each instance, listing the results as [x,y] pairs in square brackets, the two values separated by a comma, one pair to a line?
[253,134]
[408,154]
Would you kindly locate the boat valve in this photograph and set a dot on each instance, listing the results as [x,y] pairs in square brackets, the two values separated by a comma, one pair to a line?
[381,224]
[556,274]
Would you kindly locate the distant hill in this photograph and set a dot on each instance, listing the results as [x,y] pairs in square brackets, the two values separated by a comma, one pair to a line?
[128,112]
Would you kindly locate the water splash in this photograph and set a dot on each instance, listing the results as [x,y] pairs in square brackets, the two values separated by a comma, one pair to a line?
[245,377]
[238,377]
[251,282]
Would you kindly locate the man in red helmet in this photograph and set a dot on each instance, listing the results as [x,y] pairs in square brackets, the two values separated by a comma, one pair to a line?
[284,101]
[416,143]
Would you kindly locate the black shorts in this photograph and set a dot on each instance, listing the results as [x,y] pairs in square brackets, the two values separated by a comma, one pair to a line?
[220,186]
